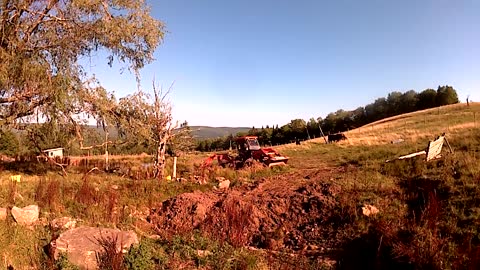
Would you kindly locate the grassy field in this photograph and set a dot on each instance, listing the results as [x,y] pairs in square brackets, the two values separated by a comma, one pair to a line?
[428,212]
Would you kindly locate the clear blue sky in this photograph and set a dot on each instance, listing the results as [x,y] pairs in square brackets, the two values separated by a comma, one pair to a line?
[264,62]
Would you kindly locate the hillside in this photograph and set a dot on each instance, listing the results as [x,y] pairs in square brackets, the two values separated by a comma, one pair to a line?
[204,132]
[426,124]
[452,119]
[198,132]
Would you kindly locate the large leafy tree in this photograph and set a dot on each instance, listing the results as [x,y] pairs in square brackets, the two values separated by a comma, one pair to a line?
[42,41]
[446,95]
[8,143]
[426,99]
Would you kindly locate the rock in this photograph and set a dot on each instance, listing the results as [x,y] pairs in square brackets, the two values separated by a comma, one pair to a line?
[203,253]
[224,184]
[154,237]
[114,187]
[370,210]
[63,223]
[3,213]
[26,216]
[397,141]
[81,244]
[220,178]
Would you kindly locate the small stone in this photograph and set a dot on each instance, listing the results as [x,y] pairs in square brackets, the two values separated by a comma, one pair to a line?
[220,178]
[369,210]
[224,184]
[154,237]
[26,216]
[204,253]
[63,223]
[3,213]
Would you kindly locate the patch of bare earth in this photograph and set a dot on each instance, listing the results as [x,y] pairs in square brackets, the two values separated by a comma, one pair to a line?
[288,213]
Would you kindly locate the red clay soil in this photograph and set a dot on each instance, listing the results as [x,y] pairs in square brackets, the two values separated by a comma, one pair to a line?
[288,212]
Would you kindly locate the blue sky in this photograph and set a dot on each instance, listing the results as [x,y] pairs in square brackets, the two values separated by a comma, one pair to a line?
[264,62]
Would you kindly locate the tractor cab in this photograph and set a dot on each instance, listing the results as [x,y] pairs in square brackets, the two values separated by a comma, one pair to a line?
[249,149]
[247,143]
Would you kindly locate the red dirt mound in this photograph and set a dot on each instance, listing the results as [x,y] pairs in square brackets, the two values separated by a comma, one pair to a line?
[280,212]
[182,213]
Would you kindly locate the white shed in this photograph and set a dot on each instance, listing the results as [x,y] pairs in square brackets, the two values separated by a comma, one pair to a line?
[54,152]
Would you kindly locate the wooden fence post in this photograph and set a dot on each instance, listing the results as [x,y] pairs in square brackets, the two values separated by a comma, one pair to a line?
[174,167]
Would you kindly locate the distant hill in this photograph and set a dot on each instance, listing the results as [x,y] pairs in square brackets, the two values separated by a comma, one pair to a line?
[203,132]
[199,132]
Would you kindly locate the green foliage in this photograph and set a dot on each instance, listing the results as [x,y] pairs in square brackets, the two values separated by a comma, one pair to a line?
[426,99]
[47,135]
[139,257]
[62,263]
[446,95]
[8,143]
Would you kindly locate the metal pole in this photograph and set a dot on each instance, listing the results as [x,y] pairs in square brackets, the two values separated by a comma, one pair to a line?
[321,132]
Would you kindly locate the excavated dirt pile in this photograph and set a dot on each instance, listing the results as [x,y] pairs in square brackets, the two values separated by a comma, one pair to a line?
[182,213]
[275,213]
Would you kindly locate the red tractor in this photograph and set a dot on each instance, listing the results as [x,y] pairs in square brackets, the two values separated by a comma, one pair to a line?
[248,150]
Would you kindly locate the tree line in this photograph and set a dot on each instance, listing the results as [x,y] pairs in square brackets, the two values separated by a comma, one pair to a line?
[395,103]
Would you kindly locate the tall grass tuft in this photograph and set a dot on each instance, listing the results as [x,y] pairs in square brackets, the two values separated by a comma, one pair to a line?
[109,258]
[48,194]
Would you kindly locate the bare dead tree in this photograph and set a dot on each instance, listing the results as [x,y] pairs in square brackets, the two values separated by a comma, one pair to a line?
[162,125]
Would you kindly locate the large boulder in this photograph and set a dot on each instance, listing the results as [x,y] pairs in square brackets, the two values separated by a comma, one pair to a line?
[82,244]
[27,215]
[3,213]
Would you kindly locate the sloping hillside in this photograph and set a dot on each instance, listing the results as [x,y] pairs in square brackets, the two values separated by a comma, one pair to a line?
[204,132]
[454,120]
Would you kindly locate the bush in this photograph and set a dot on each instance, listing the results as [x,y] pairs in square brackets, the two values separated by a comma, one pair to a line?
[62,263]
[139,257]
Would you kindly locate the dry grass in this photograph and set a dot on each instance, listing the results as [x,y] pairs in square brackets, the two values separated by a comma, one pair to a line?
[412,127]
[445,229]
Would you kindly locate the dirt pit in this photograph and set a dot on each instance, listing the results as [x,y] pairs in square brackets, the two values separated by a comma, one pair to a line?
[288,212]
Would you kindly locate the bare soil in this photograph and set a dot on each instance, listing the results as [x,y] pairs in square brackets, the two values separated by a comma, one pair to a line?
[289,213]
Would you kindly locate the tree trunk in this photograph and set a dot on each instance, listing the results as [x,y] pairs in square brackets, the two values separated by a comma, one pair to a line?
[160,162]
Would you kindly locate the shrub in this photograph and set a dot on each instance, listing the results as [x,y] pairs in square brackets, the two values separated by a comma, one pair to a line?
[139,257]
[62,263]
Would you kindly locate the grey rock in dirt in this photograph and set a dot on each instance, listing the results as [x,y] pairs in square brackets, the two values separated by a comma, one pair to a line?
[63,223]
[81,245]
[27,215]
[3,213]
[224,184]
